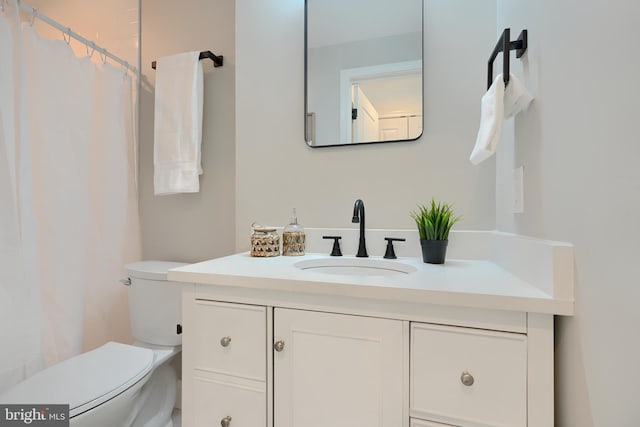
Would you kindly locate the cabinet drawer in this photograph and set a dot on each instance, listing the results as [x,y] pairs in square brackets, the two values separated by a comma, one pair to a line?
[230,339]
[245,404]
[494,362]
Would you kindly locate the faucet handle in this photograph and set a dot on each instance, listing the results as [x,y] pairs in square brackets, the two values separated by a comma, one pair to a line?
[335,251]
[390,253]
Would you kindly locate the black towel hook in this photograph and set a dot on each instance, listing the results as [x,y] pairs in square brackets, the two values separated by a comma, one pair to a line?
[505,45]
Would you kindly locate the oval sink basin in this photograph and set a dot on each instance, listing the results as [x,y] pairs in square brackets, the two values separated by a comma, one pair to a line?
[356,267]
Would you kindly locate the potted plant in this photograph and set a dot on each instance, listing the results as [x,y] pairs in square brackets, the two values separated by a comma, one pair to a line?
[434,223]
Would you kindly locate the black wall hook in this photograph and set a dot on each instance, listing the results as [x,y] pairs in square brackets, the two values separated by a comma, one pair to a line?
[505,45]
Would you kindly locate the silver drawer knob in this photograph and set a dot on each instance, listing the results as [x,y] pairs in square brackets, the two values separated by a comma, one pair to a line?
[466,378]
[279,345]
[225,341]
[225,422]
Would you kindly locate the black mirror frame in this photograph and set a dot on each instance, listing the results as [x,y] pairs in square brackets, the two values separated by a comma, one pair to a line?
[309,128]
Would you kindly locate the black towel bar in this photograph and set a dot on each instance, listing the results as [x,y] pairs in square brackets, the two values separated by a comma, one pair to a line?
[217,59]
[505,45]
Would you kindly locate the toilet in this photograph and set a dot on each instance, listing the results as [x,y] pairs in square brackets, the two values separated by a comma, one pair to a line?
[119,384]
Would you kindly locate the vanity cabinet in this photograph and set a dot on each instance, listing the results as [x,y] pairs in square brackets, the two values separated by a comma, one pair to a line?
[264,365]
[277,343]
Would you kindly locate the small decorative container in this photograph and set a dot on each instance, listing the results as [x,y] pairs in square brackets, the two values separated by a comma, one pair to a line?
[265,241]
[293,237]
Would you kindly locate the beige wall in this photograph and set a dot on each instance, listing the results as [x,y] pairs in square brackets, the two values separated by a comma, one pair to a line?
[580,151]
[272,170]
[578,145]
[112,24]
[191,227]
[277,171]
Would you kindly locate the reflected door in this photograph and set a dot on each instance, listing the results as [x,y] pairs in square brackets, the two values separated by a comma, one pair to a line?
[398,128]
[365,122]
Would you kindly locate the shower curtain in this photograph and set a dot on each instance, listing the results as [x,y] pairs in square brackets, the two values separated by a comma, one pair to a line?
[69,218]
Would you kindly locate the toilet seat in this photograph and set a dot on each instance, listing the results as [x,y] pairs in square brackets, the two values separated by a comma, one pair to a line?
[87,380]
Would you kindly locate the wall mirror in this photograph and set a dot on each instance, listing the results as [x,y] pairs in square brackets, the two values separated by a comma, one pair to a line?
[363,71]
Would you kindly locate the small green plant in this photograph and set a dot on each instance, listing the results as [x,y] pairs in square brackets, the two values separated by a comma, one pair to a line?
[434,222]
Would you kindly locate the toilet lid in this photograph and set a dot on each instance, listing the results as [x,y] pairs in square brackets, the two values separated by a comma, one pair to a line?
[87,380]
[152,270]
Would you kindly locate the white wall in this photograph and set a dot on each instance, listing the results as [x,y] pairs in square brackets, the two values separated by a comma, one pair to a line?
[191,227]
[580,150]
[276,171]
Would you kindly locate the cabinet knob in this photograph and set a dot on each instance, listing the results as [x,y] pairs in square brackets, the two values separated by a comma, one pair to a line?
[225,422]
[225,341]
[466,378]
[279,345]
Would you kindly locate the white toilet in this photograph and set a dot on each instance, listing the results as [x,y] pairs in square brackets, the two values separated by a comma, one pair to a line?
[118,384]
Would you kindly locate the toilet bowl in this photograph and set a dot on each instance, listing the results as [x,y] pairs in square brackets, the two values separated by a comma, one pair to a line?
[120,384]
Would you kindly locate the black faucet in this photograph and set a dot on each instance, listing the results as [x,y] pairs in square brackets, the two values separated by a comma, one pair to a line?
[358,216]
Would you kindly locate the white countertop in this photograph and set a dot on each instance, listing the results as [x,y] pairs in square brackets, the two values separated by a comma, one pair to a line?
[459,282]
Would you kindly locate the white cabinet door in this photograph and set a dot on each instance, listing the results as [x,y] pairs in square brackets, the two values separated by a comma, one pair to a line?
[337,370]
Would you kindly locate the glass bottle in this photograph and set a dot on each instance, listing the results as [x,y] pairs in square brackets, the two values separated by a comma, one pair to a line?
[293,237]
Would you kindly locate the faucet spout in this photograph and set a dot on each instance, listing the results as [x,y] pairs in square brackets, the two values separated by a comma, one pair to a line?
[358,217]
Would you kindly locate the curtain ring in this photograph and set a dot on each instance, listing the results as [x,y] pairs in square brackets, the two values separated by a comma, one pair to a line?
[33,16]
[103,55]
[66,35]
[93,49]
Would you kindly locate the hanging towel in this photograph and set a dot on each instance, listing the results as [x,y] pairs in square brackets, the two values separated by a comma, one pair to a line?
[516,97]
[498,103]
[491,119]
[178,124]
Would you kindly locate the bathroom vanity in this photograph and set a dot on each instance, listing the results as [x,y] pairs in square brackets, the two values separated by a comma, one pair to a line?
[319,341]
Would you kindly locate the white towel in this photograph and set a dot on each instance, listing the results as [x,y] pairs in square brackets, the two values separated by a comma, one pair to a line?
[498,103]
[178,124]
[491,119]
[516,97]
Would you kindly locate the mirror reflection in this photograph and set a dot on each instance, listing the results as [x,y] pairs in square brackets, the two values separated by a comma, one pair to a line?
[363,71]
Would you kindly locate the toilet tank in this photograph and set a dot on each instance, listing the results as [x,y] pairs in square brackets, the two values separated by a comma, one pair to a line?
[155,303]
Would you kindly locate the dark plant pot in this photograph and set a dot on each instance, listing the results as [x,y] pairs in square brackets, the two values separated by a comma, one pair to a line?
[434,251]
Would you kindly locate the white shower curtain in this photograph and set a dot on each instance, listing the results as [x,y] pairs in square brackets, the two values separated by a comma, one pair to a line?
[20,315]
[75,217]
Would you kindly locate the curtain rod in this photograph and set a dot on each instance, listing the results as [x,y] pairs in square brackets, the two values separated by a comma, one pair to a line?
[66,30]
